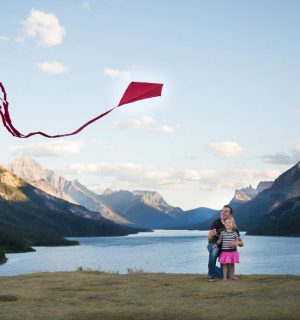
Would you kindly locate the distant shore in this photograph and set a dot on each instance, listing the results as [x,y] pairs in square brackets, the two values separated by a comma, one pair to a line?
[3,258]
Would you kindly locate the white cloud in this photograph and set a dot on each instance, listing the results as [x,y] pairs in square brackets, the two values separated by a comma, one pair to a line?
[127,174]
[166,129]
[99,143]
[20,39]
[146,123]
[4,38]
[134,175]
[44,26]
[87,5]
[56,148]
[226,149]
[114,73]
[297,148]
[283,158]
[53,67]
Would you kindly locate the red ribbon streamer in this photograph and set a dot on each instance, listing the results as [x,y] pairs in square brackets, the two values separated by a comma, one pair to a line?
[134,92]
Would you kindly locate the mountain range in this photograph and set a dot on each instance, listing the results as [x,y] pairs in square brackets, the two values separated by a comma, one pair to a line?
[143,209]
[57,186]
[26,209]
[271,208]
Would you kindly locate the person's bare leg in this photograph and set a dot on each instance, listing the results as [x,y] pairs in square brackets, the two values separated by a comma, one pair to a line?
[225,268]
[232,270]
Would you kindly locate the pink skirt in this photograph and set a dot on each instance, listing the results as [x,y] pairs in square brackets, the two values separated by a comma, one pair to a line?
[229,257]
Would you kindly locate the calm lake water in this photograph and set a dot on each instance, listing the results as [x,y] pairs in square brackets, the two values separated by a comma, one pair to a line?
[179,251]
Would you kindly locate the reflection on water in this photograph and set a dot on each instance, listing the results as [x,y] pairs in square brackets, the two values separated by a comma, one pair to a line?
[174,251]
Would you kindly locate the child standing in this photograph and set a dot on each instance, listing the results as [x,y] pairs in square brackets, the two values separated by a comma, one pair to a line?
[229,256]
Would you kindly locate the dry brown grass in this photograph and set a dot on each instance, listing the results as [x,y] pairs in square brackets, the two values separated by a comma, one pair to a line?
[89,295]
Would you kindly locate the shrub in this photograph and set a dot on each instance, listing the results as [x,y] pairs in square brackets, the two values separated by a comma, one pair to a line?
[2,255]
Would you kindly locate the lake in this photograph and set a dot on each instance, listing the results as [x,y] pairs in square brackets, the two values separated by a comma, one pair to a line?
[173,251]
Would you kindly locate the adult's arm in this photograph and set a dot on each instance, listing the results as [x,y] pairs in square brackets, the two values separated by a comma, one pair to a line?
[220,240]
[240,242]
[212,232]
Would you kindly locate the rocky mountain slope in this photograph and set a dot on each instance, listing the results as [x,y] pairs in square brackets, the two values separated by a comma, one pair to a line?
[143,208]
[57,186]
[259,209]
[246,194]
[146,209]
[24,206]
[282,221]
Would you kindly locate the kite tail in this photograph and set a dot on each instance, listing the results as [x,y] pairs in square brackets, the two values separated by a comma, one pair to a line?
[5,124]
[5,115]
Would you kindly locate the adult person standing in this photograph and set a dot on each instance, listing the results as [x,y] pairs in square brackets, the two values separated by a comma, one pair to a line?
[213,236]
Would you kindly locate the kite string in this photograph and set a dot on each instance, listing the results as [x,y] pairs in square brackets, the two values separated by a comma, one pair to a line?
[13,131]
[72,133]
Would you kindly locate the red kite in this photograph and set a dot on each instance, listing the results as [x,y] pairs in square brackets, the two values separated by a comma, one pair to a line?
[134,92]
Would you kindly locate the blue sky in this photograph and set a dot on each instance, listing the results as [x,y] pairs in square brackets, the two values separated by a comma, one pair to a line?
[229,112]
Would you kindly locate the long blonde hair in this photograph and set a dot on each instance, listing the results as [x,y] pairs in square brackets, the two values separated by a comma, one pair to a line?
[234,227]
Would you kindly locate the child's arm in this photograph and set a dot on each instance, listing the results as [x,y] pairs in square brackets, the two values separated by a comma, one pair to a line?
[220,239]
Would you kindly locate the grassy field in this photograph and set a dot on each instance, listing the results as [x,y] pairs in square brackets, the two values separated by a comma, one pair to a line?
[84,295]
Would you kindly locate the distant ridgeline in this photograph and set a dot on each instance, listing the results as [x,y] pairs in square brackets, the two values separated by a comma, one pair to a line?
[38,207]
[141,209]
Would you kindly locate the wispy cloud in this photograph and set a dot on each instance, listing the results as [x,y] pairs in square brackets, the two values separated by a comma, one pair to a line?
[146,123]
[190,157]
[96,142]
[114,73]
[53,67]
[134,175]
[45,27]
[282,157]
[87,5]
[57,148]
[4,38]
[226,149]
